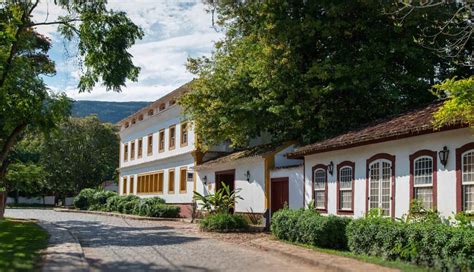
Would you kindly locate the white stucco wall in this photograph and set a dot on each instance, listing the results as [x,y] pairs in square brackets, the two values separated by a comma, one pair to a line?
[282,161]
[401,149]
[295,184]
[252,192]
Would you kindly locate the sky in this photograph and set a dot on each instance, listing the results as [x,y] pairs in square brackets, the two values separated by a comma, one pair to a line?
[174,30]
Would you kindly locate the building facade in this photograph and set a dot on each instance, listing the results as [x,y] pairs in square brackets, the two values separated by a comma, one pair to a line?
[386,165]
[157,153]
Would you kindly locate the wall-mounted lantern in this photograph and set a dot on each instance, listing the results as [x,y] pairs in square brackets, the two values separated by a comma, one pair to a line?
[331,168]
[247,175]
[204,180]
[443,156]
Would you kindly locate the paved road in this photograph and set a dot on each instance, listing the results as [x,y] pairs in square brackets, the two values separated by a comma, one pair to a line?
[117,244]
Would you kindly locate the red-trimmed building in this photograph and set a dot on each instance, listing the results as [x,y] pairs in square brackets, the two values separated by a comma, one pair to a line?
[387,164]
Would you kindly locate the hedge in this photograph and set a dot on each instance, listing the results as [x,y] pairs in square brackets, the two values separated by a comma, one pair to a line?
[309,227]
[223,222]
[100,200]
[432,244]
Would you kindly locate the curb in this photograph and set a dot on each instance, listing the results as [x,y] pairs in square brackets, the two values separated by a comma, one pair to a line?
[327,262]
[324,266]
[64,252]
[121,215]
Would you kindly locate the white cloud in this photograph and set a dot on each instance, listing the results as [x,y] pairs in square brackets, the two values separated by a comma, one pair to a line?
[174,30]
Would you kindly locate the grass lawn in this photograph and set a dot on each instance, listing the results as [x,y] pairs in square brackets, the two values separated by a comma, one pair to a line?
[20,244]
[403,266]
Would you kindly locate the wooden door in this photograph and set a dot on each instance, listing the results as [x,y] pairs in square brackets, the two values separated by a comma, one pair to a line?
[279,193]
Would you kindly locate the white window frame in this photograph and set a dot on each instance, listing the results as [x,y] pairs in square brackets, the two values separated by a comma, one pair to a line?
[323,207]
[464,183]
[346,189]
[430,185]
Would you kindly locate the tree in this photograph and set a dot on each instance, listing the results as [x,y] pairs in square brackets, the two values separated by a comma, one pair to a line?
[460,103]
[456,34]
[307,70]
[103,36]
[81,154]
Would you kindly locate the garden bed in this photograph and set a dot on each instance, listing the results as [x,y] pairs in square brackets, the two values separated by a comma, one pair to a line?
[431,242]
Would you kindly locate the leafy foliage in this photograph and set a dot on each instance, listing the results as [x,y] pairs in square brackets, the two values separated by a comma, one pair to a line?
[311,69]
[82,153]
[103,36]
[432,244]
[309,227]
[459,105]
[222,201]
[223,222]
[100,200]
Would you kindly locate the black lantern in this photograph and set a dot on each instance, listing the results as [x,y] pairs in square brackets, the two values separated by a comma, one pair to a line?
[443,156]
[247,175]
[204,180]
[331,168]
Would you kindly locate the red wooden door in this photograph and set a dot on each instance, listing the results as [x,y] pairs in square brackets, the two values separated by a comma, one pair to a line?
[279,193]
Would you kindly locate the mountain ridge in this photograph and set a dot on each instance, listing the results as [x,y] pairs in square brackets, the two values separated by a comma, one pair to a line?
[106,111]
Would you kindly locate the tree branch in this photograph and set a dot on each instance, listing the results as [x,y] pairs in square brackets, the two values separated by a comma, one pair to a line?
[67,22]
[10,142]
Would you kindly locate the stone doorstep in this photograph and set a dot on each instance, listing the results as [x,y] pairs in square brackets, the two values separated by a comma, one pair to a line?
[64,252]
[325,261]
[127,216]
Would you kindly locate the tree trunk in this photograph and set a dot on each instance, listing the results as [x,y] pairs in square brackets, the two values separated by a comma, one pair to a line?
[3,202]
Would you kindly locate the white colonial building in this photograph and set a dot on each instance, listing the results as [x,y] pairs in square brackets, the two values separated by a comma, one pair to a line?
[387,164]
[157,152]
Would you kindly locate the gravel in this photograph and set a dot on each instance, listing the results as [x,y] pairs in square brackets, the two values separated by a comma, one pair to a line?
[118,244]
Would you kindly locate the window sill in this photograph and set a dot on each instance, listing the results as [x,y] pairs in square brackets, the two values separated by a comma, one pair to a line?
[321,210]
[183,191]
[345,212]
[171,148]
[184,145]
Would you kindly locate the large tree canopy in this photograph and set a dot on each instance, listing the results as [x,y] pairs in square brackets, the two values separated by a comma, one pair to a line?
[311,69]
[103,37]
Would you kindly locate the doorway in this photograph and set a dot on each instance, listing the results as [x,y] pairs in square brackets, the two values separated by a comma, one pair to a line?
[279,193]
[228,178]
[380,189]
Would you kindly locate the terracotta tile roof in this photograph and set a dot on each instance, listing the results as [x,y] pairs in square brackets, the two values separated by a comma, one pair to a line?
[257,151]
[416,122]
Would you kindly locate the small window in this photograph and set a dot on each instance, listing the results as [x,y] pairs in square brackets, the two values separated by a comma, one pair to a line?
[150,145]
[124,186]
[172,139]
[423,181]
[172,102]
[127,124]
[184,134]
[134,121]
[140,147]
[345,188]
[468,181]
[161,139]
[162,106]
[132,151]
[150,112]
[132,185]
[160,183]
[125,152]
[171,178]
[183,180]
[140,117]
[320,182]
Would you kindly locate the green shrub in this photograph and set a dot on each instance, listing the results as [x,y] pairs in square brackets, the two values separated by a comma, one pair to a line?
[223,222]
[84,199]
[163,210]
[429,243]
[113,203]
[309,227]
[100,197]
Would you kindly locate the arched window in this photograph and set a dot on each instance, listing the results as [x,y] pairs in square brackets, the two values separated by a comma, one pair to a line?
[468,181]
[345,188]
[423,169]
[320,187]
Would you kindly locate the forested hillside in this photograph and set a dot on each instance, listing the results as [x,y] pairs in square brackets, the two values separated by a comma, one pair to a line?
[106,111]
